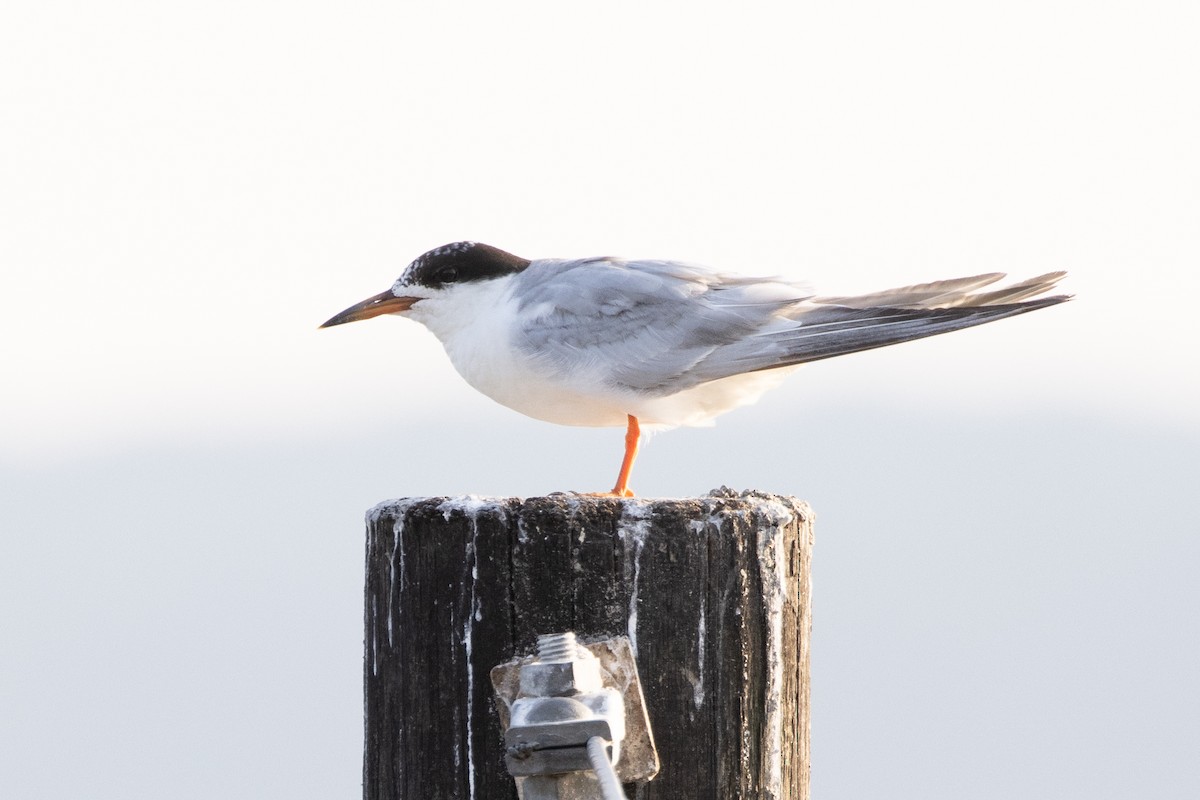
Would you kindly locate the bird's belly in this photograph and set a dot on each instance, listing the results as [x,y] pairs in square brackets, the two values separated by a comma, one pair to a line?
[584,400]
[702,404]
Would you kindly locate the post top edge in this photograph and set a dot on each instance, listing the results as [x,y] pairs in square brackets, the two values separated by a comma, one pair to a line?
[711,502]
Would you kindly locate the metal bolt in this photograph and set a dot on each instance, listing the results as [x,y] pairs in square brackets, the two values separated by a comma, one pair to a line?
[556,648]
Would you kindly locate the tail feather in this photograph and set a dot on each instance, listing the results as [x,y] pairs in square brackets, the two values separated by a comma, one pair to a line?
[920,295]
[955,292]
[1031,287]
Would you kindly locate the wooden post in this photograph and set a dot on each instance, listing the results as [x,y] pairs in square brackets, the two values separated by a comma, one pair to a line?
[713,592]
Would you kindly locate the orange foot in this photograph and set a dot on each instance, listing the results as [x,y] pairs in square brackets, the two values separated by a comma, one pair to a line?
[626,492]
[633,435]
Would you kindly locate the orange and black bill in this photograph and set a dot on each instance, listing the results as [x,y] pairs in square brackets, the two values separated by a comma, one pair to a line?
[382,303]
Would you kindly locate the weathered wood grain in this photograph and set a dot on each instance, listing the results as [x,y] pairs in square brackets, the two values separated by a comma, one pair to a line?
[714,592]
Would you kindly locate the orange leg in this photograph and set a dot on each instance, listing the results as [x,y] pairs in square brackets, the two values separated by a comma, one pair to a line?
[633,435]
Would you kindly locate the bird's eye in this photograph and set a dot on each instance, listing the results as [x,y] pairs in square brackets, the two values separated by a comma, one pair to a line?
[446,275]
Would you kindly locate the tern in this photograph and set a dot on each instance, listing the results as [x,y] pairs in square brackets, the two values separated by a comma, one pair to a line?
[657,344]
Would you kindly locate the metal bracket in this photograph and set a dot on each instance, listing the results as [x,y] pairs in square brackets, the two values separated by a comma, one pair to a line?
[548,720]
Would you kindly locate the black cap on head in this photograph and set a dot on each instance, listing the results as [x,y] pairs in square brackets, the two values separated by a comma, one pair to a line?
[461,262]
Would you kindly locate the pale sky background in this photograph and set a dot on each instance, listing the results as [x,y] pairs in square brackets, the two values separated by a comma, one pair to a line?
[1008,536]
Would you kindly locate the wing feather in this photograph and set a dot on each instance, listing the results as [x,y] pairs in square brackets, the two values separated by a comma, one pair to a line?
[660,327]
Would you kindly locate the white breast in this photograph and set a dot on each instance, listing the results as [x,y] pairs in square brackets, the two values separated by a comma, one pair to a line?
[475,323]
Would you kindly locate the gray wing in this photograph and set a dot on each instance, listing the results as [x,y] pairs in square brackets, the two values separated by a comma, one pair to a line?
[646,326]
[661,327]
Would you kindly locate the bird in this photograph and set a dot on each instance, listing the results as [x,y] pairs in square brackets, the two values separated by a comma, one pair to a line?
[654,344]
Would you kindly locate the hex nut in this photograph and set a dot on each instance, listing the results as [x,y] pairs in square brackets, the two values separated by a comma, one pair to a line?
[558,679]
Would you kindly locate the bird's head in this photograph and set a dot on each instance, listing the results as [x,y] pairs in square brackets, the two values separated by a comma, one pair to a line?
[433,275]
